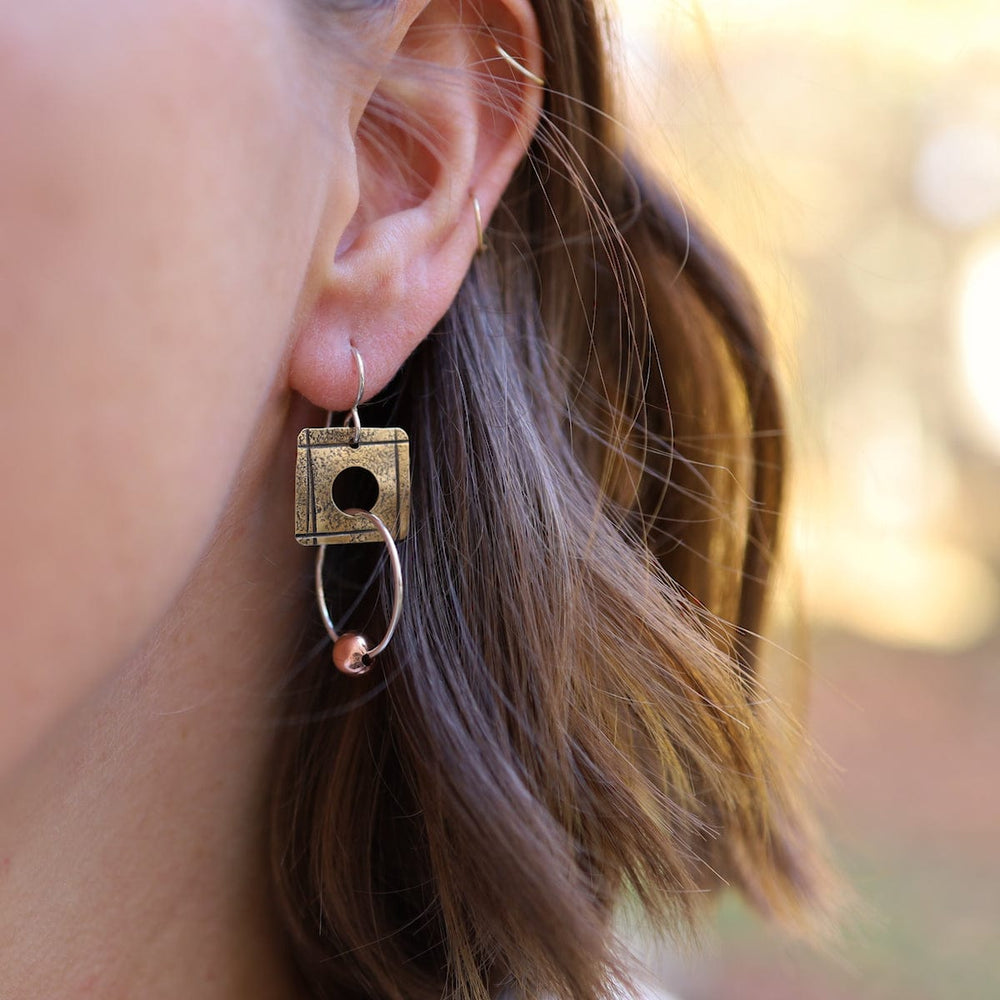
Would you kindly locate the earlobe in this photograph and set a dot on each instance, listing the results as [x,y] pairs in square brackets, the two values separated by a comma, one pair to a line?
[450,118]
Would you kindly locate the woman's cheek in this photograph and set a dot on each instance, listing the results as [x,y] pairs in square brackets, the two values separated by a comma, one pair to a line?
[157,209]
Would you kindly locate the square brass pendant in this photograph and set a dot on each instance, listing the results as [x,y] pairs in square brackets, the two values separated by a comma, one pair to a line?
[323,453]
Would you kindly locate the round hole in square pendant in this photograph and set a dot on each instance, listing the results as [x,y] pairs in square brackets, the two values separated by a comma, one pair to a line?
[355,487]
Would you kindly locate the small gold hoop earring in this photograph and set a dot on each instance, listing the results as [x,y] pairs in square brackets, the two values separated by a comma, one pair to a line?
[523,70]
[480,235]
[383,455]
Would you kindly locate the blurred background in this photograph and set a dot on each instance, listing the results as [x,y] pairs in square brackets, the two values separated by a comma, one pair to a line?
[848,151]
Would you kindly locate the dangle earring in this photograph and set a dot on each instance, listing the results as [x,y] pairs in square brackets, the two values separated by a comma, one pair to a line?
[329,461]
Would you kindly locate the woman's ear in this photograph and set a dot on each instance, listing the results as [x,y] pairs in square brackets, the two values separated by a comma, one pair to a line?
[450,117]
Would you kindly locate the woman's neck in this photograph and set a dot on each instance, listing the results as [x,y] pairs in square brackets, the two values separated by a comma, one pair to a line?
[133,844]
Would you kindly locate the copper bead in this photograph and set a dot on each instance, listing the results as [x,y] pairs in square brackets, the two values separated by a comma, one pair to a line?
[350,654]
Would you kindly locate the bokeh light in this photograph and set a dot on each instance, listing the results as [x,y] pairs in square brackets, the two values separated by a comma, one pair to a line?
[979,336]
[957,174]
[849,153]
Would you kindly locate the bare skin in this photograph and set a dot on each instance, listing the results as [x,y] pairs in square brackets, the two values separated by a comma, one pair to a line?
[187,256]
[133,840]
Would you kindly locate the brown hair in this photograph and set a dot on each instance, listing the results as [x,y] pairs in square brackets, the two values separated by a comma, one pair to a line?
[570,711]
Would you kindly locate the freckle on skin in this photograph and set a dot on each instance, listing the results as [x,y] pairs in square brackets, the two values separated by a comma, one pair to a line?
[4,866]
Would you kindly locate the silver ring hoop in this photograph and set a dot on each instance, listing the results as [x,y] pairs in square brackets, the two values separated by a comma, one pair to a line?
[352,654]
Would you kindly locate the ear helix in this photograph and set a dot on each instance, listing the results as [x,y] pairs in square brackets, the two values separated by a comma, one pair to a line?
[481,244]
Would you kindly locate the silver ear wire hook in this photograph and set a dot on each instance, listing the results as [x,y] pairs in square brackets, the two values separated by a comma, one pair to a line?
[353,417]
